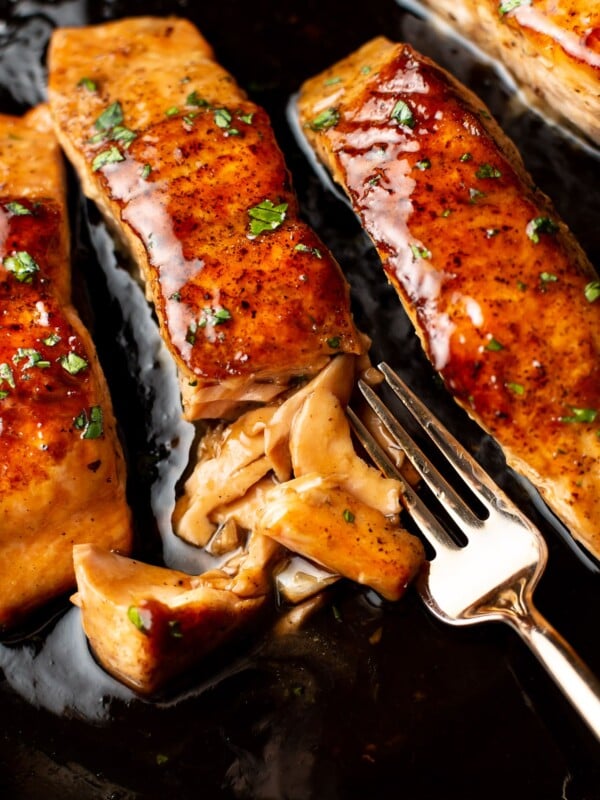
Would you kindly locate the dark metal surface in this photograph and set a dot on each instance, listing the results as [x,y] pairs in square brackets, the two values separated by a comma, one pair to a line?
[374,700]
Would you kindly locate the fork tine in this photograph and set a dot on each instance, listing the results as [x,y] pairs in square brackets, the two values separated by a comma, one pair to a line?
[480,483]
[453,504]
[432,530]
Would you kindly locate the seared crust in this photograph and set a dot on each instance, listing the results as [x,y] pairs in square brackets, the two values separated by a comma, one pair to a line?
[551,47]
[242,313]
[61,481]
[494,283]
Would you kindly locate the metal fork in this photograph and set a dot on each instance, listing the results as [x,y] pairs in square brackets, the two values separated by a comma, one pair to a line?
[493,576]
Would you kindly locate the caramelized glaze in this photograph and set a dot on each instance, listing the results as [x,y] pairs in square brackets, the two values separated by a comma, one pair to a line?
[242,313]
[493,281]
[61,467]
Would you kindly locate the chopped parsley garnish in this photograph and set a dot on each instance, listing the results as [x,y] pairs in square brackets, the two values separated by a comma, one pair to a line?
[581,415]
[334,342]
[214,316]
[22,265]
[194,99]
[348,515]
[509,5]
[592,291]
[521,286]
[246,118]
[465,157]
[176,296]
[140,618]
[494,345]
[190,335]
[446,212]
[33,358]
[145,173]
[420,252]
[111,116]
[72,363]
[222,117]
[6,375]
[51,340]
[423,164]
[332,81]
[88,83]
[111,156]
[366,69]
[304,248]
[266,216]
[403,115]
[516,388]
[475,195]
[546,278]
[326,119]
[540,225]
[90,423]
[170,112]
[122,134]
[488,171]
[17,209]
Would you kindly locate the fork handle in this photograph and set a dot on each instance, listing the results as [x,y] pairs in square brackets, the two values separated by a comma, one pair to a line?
[563,664]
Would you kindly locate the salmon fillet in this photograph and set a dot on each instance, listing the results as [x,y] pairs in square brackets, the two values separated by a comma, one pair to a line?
[62,477]
[505,302]
[552,47]
[188,173]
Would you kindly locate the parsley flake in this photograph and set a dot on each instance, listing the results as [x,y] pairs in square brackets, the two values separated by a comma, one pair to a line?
[145,173]
[141,618]
[488,171]
[90,424]
[326,119]
[111,156]
[22,265]
[494,345]
[170,112]
[33,358]
[266,216]
[592,291]
[304,248]
[403,115]
[475,195]
[111,116]
[581,415]
[51,340]
[547,278]
[420,252]
[465,157]
[540,225]
[214,316]
[194,99]
[72,363]
[423,164]
[18,210]
[122,134]
[506,6]
[334,342]
[6,375]
[89,84]
[516,388]
[348,515]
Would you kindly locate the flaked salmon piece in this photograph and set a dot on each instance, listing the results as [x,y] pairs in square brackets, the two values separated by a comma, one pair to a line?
[62,475]
[552,48]
[505,302]
[187,172]
[147,624]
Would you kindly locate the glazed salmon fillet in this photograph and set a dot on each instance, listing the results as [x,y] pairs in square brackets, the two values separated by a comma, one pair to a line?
[552,47]
[62,477]
[505,302]
[187,172]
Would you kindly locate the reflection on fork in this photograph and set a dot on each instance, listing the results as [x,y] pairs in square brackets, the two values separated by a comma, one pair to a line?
[493,575]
